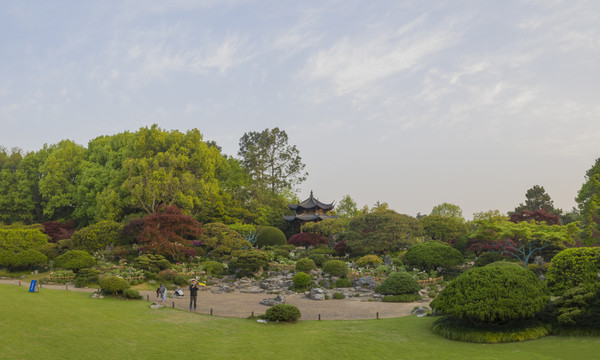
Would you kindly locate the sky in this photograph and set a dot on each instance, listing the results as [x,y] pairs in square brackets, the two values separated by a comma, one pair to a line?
[413,103]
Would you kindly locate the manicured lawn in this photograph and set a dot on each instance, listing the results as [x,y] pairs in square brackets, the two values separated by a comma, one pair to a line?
[56,324]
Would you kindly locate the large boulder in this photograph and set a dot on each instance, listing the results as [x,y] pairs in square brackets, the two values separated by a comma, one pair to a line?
[316,294]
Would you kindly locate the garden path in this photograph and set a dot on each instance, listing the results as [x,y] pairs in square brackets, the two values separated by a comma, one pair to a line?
[242,305]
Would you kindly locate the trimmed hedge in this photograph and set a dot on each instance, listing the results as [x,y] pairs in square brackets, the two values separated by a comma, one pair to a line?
[431,255]
[464,330]
[270,236]
[571,267]
[305,265]
[28,259]
[495,293]
[399,283]
[74,260]
[336,268]
[283,312]
[404,298]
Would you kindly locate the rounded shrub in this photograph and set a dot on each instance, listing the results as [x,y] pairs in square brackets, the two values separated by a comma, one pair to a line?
[97,236]
[319,259]
[336,268]
[86,276]
[270,236]
[113,285]
[167,275]
[74,260]
[6,259]
[301,281]
[28,259]
[213,268]
[248,262]
[339,296]
[571,267]
[488,258]
[431,255]
[131,294]
[305,265]
[283,312]
[343,283]
[369,261]
[398,284]
[495,293]
[397,262]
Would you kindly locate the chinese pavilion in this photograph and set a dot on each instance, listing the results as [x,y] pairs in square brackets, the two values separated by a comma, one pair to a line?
[310,210]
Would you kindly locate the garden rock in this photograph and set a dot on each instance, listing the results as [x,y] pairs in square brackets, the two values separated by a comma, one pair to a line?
[156,306]
[279,299]
[316,294]
[365,282]
[252,290]
[420,311]
[387,260]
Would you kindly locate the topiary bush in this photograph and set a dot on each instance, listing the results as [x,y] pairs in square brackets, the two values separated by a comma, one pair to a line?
[571,267]
[488,258]
[431,255]
[339,296]
[283,312]
[319,259]
[398,284]
[97,236]
[404,298]
[131,294]
[152,263]
[248,262]
[305,265]
[113,285]
[343,283]
[336,268]
[369,261]
[301,281]
[74,260]
[85,277]
[29,259]
[270,236]
[213,268]
[495,293]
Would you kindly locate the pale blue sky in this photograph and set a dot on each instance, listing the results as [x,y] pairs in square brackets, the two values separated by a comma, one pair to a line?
[413,103]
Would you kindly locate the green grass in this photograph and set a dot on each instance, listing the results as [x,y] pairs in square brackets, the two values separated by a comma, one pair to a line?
[55,324]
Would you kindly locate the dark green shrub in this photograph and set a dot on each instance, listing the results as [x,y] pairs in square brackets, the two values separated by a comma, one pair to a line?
[167,275]
[571,267]
[397,262]
[6,259]
[336,268]
[248,262]
[305,265]
[579,308]
[404,298]
[283,312]
[301,281]
[397,284]
[488,258]
[19,239]
[369,261]
[153,263]
[319,259]
[382,270]
[283,253]
[131,294]
[50,250]
[339,296]
[113,285]
[86,276]
[28,259]
[431,255]
[343,283]
[97,236]
[74,260]
[465,330]
[180,280]
[496,293]
[213,268]
[270,236]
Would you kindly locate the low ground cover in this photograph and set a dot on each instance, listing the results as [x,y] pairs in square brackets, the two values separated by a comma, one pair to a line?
[70,325]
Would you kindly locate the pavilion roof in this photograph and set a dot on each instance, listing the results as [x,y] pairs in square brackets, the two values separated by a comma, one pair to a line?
[312,203]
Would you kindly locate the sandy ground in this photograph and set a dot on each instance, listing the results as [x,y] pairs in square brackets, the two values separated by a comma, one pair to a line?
[242,305]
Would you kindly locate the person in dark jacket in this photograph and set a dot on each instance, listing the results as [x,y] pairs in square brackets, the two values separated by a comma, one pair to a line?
[193,294]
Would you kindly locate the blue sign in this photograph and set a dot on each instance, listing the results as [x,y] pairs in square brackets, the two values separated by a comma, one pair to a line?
[32,286]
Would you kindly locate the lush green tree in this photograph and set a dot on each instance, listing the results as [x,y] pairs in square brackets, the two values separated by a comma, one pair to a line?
[493,294]
[247,262]
[443,228]
[218,239]
[538,215]
[273,164]
[579,307]
[588,201]
[448,210]
[346,207]
[523,239]
[21,239]
[97,236]
[399,283]
[538,199]
[28,259]
[74,260]
[431,255]
[382,231]
[571,267]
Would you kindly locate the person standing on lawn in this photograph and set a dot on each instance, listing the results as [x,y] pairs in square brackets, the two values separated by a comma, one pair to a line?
[163,292]
[193,294]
